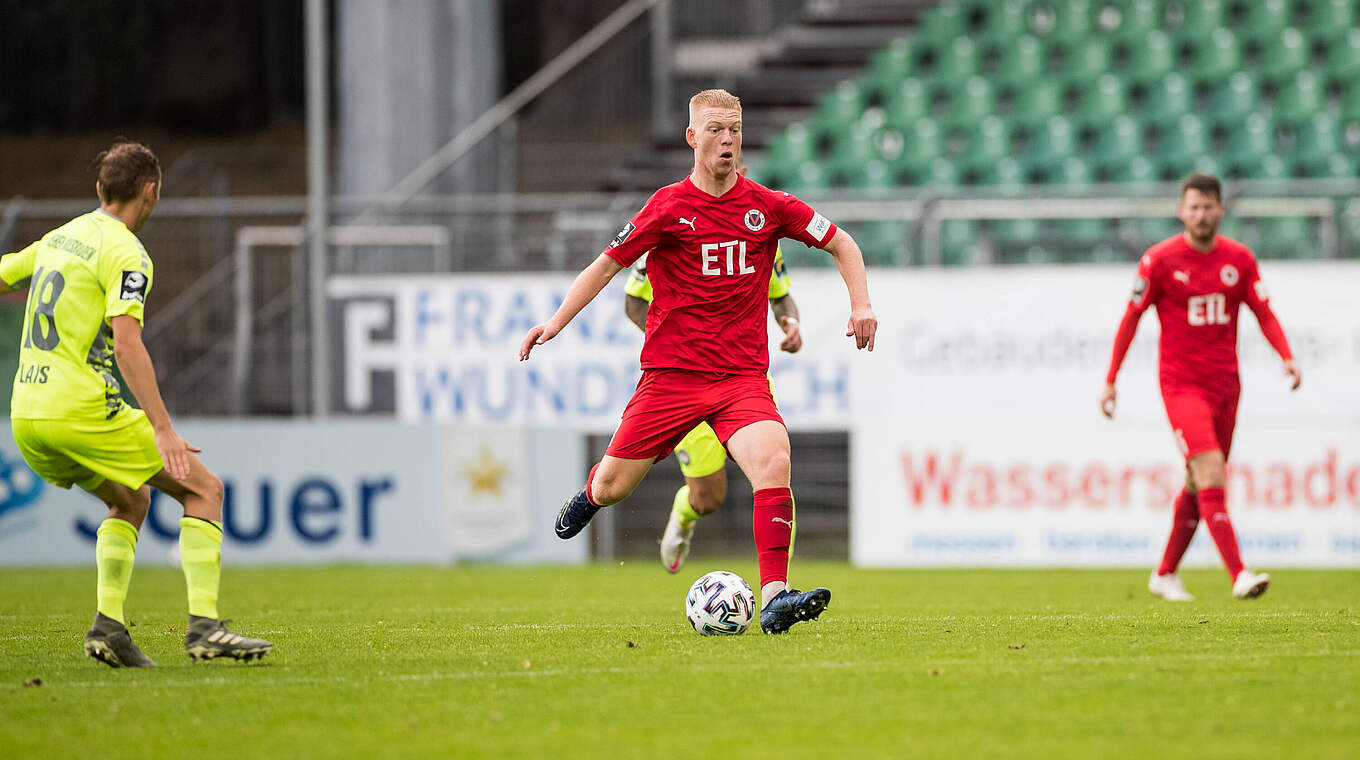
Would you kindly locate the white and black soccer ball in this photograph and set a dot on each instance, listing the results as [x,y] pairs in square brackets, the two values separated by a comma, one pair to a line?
[720,604]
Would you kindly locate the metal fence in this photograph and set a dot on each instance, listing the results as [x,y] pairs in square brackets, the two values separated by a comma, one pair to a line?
[226,320]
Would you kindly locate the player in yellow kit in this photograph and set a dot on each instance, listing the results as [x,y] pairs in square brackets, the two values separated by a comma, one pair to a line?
[700,454]
[88,281]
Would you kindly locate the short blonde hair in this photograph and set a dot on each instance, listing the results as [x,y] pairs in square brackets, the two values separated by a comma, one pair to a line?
[712,99]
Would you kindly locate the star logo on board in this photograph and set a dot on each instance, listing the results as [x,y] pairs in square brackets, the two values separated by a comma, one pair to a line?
[485,473]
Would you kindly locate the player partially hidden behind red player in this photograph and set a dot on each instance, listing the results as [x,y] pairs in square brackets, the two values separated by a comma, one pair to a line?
[1198,280]
[712,238]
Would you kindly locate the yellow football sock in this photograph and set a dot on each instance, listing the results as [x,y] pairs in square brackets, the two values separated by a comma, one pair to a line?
[200,554]
[115,545]
[684,513]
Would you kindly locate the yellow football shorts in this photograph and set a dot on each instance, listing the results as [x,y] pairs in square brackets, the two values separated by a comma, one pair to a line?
[700,452]
[88,452]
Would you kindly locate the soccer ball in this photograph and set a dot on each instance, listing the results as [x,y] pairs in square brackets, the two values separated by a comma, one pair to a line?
[720,604]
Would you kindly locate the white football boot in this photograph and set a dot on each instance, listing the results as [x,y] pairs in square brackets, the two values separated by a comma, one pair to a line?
[675,544]
[1169,587]
[1249,585]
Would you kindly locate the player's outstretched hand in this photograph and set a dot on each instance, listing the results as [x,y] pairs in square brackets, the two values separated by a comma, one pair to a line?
[793,336]
[1292,369]
[863,324]
[537,336]
[1107,401]
[174,452]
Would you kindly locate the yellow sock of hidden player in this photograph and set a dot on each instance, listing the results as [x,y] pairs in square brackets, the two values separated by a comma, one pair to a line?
[115,545]
[200,554]
[684,513]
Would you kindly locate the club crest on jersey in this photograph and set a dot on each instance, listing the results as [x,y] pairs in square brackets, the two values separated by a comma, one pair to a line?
[134,286]
[755,220]
[622,237]
[1228,274]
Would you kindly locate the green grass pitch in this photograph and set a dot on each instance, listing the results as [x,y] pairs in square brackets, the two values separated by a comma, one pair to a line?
[598,661]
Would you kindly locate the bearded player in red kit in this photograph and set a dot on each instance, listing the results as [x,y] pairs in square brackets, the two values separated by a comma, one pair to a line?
[712,238]
[1198,280]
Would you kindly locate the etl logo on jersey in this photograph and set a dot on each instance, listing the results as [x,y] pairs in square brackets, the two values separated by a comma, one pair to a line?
[1211,309]
[733,251]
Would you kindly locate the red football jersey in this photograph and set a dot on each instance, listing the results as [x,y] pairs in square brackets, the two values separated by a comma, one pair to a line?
[710,266]
[1198,296]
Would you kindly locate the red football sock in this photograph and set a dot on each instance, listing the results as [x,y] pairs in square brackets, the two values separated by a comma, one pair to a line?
[1215,515]
[590,479]
[1182,530]
[772,524]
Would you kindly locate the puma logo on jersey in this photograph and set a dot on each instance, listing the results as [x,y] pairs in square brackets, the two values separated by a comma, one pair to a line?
[690,222]
[782,520]
[1181,275]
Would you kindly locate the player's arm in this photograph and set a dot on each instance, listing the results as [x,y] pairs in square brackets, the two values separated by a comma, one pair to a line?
[1144,293]
[850,263]
[786,316]
[135,364]
[16,269]
[1259,303]
[587,285]
[636,309]
[637,296]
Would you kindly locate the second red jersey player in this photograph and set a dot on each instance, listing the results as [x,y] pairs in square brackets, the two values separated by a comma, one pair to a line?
[1198,281]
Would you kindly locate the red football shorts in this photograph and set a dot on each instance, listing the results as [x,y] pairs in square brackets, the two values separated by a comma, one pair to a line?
[1201,421]
[668,403]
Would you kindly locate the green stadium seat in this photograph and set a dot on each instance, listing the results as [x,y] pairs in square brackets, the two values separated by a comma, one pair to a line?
[1117,142]
[1151,58]
[1135,170]
[1167,100]
[1336,166]
[989,143]
[1350,105]
[1233,100]
[1286,237]
[972,101]
[1037,103]
[1342,60]
[1073,172]
[883,243]
[1102,101]
[1006,176]
[924,142]
[1083,230]
[957,61]
[1315,141]
[958,241]
[889,144]
[939,174]
[1021,60]
[1284,53]
[872,174]
[839,107]
[1086,60]
[1271,166]
[789,150]
[1016,230]
[889,65]
[1186,142]
[1130,20]
[1299,98]
[909,101]
[854,148]
[1051,142]
[1004,21]
[1252,139]
[810,175]
[1154,229]
[944,22]
[1263,18]
[1191,18]
[1327,18]
[1061,19]
[1217,59]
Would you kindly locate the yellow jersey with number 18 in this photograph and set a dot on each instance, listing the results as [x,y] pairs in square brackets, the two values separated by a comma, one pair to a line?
[80,276]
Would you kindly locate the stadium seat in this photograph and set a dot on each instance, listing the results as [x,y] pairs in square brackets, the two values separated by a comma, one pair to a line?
[957,61]
[972,101]
[1219,58]
[924,143]
[1185,142]
[1068,20]
[958,238]
[1253,138]
[1286,237]
[1271,166]
[1004,21]
[1117,142]
[1086,60]
[1036,103]
[1342,60]
[839,107]
[1151,58]
[1136,169]
[1315,141]
[1336,166]
[1021,60]
[1016,230]
[944,22]
[789,150]
[1263,18]
[888,66]
[1299,98]
[1191,18]
[1051,142]
[1167,100]
[1101,101]
[1153,229]
[1006,176]
[1232,100]
[1328,18]
[1130,20]
[989,143]
[939,174]
[909,101]
[1284,52]
[1073,172]
[810,175]
[872,174]
[883,243]
[854,149]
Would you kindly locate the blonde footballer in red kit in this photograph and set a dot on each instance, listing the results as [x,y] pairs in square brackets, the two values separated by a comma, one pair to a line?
[1198,281]
[712,238]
